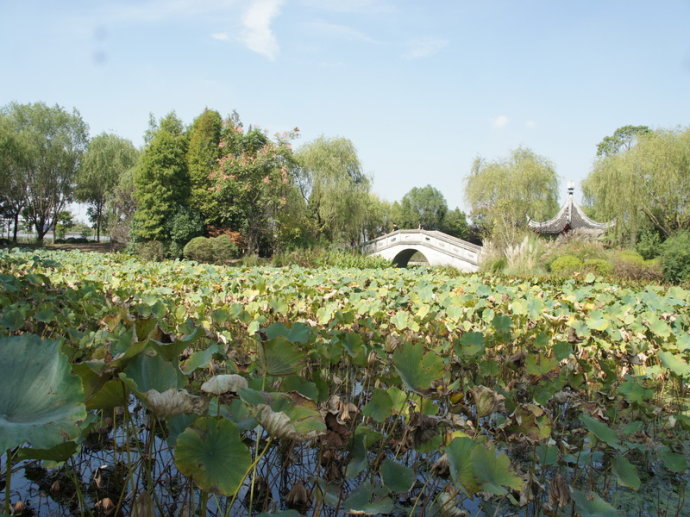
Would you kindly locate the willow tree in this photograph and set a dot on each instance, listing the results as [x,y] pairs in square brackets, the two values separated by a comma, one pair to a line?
[503,193]
[335,188]
[647,185]
[106,159]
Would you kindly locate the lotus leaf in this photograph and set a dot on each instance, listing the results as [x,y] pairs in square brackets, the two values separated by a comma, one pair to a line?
[417,368]
[591,505]
[41,402]
[174,402]
[212,454]
[398,478]
[280,357]
[625,472]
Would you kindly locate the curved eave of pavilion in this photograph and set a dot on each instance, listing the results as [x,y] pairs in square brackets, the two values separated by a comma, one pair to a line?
[570,217]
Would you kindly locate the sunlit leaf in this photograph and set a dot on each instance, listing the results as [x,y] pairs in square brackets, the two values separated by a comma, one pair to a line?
[417,368]
[492,471]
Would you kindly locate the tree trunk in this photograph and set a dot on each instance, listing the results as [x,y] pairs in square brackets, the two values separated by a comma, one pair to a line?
[16,227]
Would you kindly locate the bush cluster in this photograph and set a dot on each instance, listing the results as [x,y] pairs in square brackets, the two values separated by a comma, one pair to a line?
[566,264]
[152,251]
[675,258]
[214,250]
[630,265]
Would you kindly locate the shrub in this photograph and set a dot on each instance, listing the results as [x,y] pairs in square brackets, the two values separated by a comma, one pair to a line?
[675,258]
[566,264]
[599,266]
[649,245]
[153,251]
[630,265]
[182,227]
[217,250]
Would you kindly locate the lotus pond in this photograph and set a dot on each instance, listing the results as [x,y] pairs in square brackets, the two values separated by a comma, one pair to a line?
[175,388]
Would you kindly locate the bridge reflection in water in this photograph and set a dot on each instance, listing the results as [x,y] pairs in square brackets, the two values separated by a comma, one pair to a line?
[438,248]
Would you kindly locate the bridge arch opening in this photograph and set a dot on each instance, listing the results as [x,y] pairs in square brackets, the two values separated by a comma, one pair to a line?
[402,259]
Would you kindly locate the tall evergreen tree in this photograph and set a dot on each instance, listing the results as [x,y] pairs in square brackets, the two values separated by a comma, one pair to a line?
[202,155]
[162,180]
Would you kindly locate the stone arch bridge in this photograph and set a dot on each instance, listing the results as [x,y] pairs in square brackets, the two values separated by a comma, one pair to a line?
[438,248]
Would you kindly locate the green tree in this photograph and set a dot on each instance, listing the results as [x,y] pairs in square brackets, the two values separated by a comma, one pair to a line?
[455,223]
[106,159]
[13,171]
[335,188]
[379,218]
[504,193]
[162,180]
[202,155]
[645,186]
[52,143]
[425,207]
[121,206]
[622,139]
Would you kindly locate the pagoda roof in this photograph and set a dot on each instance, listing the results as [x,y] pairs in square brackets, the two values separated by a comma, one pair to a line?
[570,217]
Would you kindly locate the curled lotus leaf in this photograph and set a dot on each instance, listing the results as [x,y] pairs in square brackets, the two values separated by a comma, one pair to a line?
[174,402]
[298,423]
[487,400]
[220,384]
[41,402]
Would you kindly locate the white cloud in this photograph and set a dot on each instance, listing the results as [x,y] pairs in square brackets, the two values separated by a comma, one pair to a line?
[500,122]
[352,6]
[257,34]
[424,47]
[341,31]
[530,124]
[220,36]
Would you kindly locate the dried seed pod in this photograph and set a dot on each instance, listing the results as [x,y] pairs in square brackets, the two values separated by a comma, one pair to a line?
[298,498]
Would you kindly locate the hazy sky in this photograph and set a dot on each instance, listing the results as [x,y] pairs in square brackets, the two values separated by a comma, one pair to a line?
[421,87]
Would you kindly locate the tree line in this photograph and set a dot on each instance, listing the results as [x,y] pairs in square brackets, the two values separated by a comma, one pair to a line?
[640,178]
[211,177]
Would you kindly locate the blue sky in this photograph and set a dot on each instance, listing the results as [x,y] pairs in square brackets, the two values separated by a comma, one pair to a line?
[421,88]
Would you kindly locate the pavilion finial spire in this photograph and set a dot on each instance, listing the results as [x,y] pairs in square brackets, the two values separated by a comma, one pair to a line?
[571,188]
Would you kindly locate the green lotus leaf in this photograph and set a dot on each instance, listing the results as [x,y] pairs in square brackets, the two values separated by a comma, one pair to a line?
[212,454]
[493,471]
[601,431]
[417,368]
[41,402]
[367,500]
[675,363]
[625,472]
[398,478]
[280,357]
[459,453]
[379,407]
[591,505]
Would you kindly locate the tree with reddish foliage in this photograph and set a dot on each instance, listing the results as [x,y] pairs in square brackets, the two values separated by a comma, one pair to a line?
[251,184]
